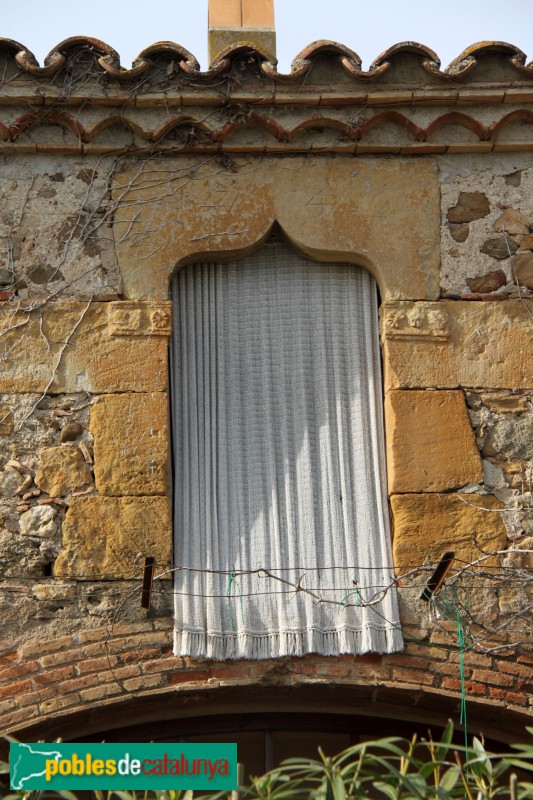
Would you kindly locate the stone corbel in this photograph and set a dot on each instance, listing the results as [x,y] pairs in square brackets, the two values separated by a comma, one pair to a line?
[138,318]
[420,321]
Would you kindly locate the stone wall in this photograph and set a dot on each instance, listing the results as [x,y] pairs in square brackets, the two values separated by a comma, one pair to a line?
[89,238]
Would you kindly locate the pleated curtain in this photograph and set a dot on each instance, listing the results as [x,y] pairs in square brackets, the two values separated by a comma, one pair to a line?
[279,461]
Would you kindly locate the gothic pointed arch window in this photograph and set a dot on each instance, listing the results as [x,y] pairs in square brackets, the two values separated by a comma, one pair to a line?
[279,461]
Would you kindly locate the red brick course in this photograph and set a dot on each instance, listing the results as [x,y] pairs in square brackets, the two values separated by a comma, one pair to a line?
[92,666]
[515,669]
[510,697]
[412,676]
[188,675]
[54,675]
[12,689]
[97,664]
[493,677]
[470,686]
[16,671]
[8,658]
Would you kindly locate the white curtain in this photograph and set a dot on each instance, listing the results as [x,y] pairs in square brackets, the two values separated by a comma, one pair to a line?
[278,461]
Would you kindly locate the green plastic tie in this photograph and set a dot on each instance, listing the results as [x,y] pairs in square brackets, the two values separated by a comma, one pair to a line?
[357,598]
[462,647]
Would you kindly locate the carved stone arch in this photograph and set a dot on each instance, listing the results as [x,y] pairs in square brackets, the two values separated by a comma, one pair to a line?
[276,231]
[376,213]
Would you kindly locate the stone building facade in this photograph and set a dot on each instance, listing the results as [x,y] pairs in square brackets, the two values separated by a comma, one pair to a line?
[110,181]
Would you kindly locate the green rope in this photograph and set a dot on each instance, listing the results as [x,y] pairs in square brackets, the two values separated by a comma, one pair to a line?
[357,598]
[461,640]
[450,609]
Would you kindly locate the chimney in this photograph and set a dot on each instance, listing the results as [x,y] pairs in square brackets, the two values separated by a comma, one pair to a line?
[235,21]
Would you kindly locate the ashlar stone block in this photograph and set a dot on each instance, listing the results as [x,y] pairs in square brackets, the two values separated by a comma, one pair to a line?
[430,442]
[131,444]
[426,525]
[481,345]
[96,347]
[107,538]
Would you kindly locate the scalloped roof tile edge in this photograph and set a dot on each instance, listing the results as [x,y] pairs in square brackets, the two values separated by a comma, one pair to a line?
[109,59]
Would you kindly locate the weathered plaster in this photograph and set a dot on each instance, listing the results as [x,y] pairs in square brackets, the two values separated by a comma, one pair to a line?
[463,260]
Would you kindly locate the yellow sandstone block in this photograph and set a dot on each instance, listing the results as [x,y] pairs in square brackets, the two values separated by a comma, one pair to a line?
[72,347]
[430,442]
[131,444]
[107,538]
[458,343]
[426,525]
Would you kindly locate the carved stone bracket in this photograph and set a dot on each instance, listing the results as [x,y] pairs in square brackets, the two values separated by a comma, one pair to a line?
[423,321]
[149,318]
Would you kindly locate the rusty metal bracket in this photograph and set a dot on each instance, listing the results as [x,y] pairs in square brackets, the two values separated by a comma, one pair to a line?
[148,580]
[439,575]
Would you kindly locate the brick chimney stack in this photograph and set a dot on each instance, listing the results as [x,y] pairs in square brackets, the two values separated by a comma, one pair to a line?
[234,21]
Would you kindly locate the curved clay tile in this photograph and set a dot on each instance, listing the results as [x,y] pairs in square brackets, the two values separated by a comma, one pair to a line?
[174,122]
[469,57]
[143,62]
[111,121]
[87,43]
[458,118]
[321,46]
[46,116]
[26,60]
[520,115]
[302,64]
[267,123]
[415,48]
[321,122]
[429,60]
[226,57]
[106,55]
[54,62]
[109,60]
[390,116]
[347,58]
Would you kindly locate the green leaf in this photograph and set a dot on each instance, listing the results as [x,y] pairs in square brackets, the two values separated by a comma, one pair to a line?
[479,750]
[480,766]
[339,790]
[445,742]
[450,778]
[428,769]
[416,782]
[386,788]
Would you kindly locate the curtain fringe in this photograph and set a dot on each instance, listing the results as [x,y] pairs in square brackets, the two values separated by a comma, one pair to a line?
[220,647]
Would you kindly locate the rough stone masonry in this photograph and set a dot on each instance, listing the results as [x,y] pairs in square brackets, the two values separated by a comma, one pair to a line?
[110,180]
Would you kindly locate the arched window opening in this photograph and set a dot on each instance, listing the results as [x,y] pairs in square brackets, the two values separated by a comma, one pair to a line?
[279,461]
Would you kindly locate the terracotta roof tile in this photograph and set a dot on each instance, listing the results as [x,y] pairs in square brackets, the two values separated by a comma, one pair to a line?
[461,68]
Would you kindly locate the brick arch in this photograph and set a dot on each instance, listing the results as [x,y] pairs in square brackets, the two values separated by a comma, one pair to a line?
[96,680]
